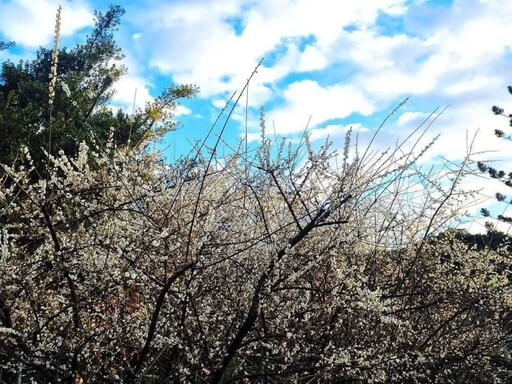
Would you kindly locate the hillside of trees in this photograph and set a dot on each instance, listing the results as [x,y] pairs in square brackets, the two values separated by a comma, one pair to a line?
[284,266]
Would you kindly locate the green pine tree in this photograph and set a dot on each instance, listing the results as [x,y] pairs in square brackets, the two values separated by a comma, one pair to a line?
[499,174]
[80,108]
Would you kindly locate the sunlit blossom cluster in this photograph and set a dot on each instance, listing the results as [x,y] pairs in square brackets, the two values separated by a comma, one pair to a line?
[55,58]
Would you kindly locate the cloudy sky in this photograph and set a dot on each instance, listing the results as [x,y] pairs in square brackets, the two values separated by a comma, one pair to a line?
[328,64]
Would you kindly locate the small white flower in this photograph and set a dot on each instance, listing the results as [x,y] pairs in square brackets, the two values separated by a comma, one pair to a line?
[40,130]
[65,88]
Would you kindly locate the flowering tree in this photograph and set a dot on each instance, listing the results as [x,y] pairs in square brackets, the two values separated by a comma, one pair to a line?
[117,268]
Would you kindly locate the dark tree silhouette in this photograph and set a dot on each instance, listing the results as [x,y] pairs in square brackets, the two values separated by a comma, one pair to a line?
[504,176]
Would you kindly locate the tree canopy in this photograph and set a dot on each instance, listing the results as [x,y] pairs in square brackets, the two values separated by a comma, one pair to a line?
[80,111]
[6,45]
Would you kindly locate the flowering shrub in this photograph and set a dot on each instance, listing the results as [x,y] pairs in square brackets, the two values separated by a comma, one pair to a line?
[291,266]
[276,269]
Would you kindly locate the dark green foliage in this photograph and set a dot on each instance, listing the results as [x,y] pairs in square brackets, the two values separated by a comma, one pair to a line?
[503,176]
[492,239]
[6,45]
[86,74]
[500,111]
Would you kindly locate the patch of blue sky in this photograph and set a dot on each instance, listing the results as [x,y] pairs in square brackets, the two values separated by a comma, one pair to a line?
[508,53]
[205,123]
[16,51]
[389,25]
[296,43]
[352,28]
[440,3]
[236,23]
[335,73]
[426,16]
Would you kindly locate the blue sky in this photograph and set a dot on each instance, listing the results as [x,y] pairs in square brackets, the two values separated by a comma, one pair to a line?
[334,63]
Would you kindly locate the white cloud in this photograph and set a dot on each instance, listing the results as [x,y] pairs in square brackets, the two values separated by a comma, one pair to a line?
[196,42]
[336,132]
[466,85]
[308,101]
[181,111]
[456,56]
[412,118]
[31,22]
[219,103]
[132,91]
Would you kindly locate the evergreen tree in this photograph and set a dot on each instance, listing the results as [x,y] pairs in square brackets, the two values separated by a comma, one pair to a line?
[504,176]
[6,45]
[78,111]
